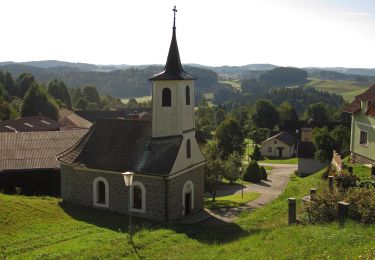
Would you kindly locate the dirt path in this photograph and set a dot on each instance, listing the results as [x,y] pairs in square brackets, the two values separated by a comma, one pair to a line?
[268,190]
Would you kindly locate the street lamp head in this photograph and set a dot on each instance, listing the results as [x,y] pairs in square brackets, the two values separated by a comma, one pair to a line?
[128,178]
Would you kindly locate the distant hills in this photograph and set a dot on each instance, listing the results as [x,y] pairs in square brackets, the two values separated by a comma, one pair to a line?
[132,80]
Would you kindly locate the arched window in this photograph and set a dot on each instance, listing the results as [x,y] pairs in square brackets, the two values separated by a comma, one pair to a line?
[187,94]
[188,198]
[100,192]
[188,149]
[138,197]
[166,100]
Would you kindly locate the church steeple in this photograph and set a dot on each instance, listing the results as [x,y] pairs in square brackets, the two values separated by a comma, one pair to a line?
[173,69]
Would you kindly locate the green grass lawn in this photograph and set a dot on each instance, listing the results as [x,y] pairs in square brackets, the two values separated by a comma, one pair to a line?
[230,201]
[280,161]
[359,170]
[348,89]
[236,84]
[45,228]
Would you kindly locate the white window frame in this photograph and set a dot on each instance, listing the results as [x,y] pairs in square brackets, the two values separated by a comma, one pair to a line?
[96,193]
[365,144]
[269,149]
[143,189]
[188,187]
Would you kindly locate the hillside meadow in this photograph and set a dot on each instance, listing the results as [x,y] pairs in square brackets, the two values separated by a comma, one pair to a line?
[47,228]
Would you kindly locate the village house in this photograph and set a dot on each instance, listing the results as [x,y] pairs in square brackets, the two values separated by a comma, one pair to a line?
[28,160]
[163,153]
[282,145]
[362,139]
[29,124]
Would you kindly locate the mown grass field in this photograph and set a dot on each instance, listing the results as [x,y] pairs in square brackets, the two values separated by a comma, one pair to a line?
[139,99]
[45,228]
[348,89]
[231,201]
[236,84]
[280,160]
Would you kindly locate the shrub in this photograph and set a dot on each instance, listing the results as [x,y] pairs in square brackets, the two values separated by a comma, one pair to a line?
[323,208]
[366,182]
[362,204]
[345,181]
[256,154]
[263,173]
[252,172]
[232,167]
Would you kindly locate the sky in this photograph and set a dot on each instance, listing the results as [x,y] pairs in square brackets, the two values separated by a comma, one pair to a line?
[301,33]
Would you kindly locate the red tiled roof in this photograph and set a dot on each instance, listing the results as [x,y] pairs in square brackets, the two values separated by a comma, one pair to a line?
[368,94]
[353,107]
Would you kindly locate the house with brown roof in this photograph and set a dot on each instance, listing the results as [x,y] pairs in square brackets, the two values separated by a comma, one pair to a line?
[163,153]
[29,124]
[362,140]
[282,145]
[69,120]
[28,160]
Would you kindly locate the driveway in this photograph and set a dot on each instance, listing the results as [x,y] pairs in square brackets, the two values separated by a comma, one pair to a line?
[269,190]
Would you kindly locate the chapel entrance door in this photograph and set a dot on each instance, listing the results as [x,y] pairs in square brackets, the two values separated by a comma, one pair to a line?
[187,203]
[280,151]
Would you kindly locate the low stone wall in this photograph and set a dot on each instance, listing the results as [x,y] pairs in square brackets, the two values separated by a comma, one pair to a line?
[307,166]
[356,158]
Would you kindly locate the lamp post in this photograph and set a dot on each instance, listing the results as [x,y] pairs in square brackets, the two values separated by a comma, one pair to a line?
[128,179]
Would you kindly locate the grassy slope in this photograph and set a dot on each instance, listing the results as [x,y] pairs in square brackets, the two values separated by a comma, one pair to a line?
[348,89]
[234,200]
[139,99]
[281,161]
[42,228]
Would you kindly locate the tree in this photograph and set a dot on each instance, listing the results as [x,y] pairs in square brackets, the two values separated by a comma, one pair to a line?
[263,173]
[25,81]
[37,101]
[91,94]
[256,153]
[76,95]
[252,172]
[82,104]
[8,83]
[132,103]
[317,112]
[6,110]
[233,166]
[324,144]
[258,135]
[229,138]
[59,91]
[214,168]
[265,115]
[341,135]
[286,112]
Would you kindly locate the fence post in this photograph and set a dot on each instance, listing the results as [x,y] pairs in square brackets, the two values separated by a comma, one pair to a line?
[330,182]
[312,193]
[343,211]
[350,170]
[373,170]
[292,210]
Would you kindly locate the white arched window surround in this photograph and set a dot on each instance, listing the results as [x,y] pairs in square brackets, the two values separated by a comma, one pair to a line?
[143,189]
[96,192]
[188,187]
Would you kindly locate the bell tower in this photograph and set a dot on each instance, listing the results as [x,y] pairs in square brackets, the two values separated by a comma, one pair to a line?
[172,95]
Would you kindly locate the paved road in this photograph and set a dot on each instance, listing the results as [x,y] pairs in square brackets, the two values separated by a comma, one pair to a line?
[268,190]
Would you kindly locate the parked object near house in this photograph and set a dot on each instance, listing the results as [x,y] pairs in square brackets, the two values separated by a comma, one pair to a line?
[163,153]
[28,160]
[282,145]
[307,164]
[29,124]
[362,140]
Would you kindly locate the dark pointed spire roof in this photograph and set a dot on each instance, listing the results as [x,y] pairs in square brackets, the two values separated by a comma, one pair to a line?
[173,69]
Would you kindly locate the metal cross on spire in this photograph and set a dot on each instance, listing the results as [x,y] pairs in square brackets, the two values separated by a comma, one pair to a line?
[174,17]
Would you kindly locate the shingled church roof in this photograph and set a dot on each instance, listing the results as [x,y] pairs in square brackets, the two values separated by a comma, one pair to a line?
[173,69]
[124,145]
